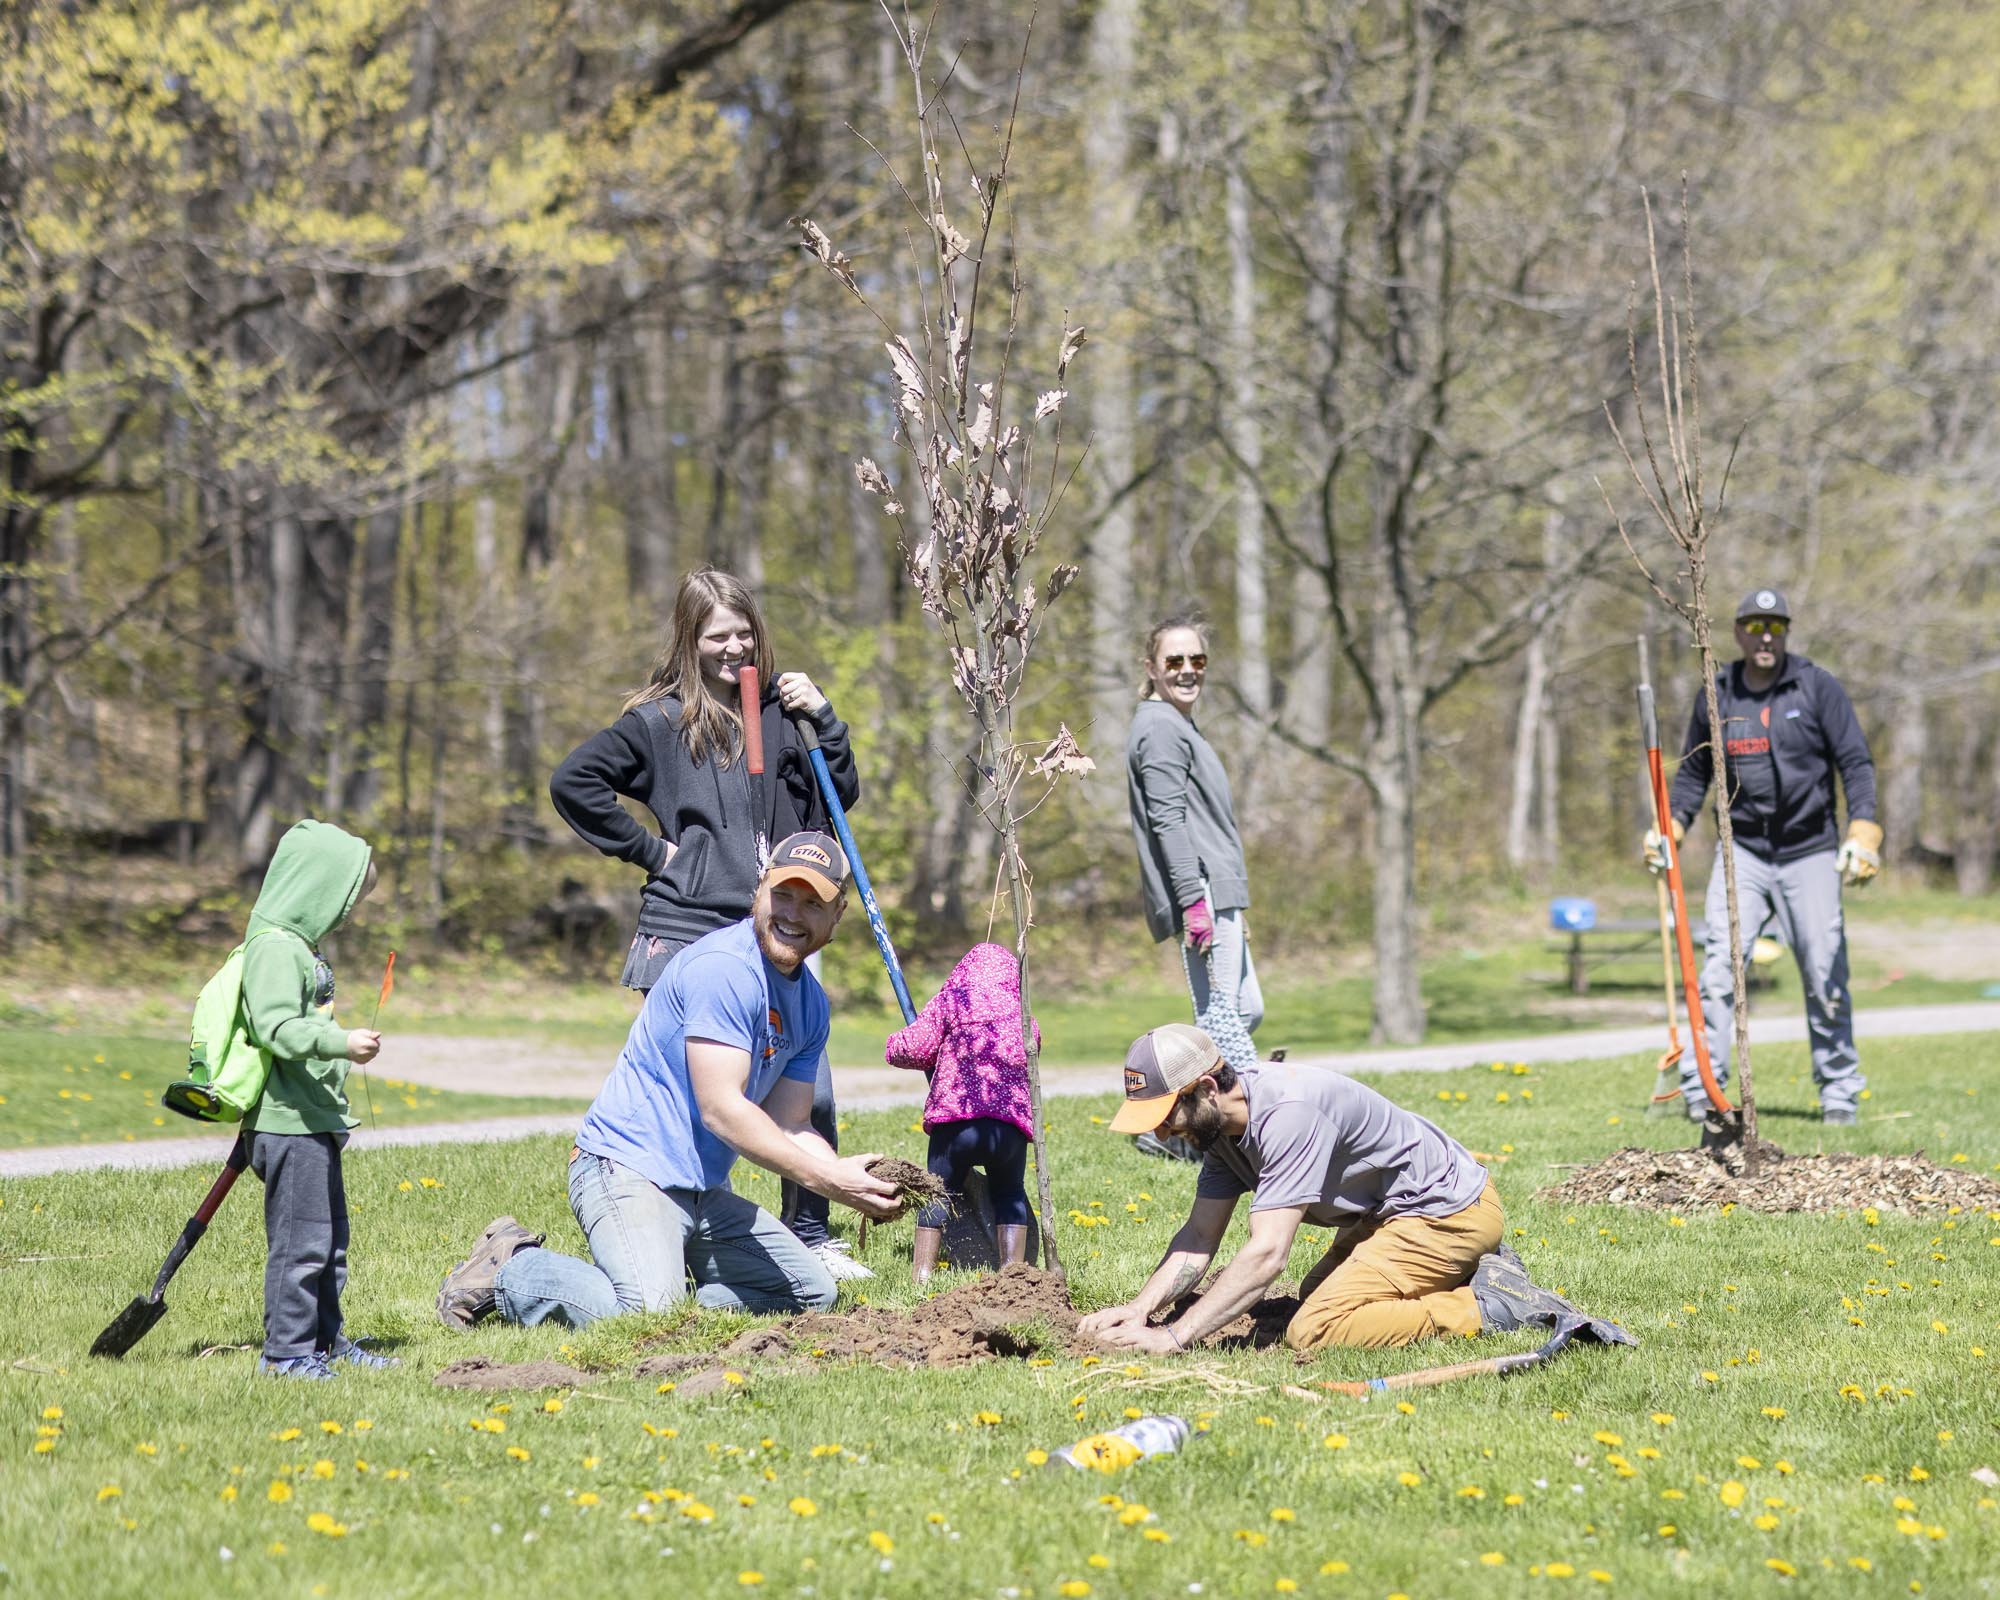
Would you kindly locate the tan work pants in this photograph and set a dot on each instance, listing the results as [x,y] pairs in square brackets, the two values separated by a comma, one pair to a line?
[1397,1281]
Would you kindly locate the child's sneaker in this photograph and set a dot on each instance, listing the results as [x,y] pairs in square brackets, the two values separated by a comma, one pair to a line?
[313,1367]
[351,1352]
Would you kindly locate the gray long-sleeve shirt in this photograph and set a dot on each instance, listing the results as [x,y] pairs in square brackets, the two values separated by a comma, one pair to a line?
[1183,819]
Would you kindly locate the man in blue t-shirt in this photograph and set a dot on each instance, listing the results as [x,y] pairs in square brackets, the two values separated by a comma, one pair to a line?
[719,1064]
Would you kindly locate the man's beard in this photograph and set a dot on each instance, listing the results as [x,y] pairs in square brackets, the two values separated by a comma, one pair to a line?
[1202,1124]
[780,951]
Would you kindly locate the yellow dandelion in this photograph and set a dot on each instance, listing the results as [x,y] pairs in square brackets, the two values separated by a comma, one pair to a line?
[881,1542]
[1406,1408]
[1560,1569]
[1664,1418]
[1918,1474]
[1748,1463]
[1667,1530]
[1861,1563]
[1335,1441]
[228,1495]
[287,1435]
[321,1522]
[110,1491]
[986,1419]
[516,1453]
[589,1499]
[1766,1522]
[1074,1588]
[749,1580]
[279,1492]
[1156,1535]
[800,1506]
[746,1499]
[1731,1493]
[331,1426]
[1612,1439]
[1775,1413]
[1493,1558]
[1515,1500]
[693,1510]
[1783,1569]
[1332,1569]
[1409,1480]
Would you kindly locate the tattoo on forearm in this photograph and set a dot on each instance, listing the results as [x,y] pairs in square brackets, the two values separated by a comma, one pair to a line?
[1184,1280]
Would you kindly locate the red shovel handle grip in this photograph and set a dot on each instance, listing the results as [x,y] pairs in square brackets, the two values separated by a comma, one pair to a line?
[753,719]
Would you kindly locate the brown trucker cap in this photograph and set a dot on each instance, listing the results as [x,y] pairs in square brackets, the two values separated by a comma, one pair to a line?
[1158,1067]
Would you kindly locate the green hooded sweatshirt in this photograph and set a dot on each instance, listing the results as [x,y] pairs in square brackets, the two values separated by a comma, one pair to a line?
[313,882]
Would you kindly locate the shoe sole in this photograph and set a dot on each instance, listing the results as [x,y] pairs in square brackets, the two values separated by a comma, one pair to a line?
[454,1316]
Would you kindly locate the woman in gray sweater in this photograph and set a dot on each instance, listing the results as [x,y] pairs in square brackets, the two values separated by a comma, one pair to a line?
[1190,854]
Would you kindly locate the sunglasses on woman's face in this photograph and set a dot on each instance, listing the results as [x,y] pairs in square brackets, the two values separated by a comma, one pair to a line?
[1194,663]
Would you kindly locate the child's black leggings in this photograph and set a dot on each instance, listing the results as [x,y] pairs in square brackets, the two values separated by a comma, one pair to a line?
[999,1147]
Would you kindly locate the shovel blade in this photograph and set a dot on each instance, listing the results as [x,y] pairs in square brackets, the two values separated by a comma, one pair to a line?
[129,1327]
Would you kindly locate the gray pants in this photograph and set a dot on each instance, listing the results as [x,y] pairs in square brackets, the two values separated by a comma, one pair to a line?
[1802,898]
[305,1240]
[1228,1001]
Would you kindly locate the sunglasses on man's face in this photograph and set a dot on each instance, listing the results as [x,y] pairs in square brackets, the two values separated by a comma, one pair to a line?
[1766,625]
[1194,663]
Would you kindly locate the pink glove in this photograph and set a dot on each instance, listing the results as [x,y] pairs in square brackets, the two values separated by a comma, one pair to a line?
[1200,924]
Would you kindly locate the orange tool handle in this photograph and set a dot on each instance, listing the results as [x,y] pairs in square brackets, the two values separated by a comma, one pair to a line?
[753,719]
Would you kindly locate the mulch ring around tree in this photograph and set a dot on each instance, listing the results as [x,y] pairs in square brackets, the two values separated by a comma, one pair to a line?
[1685,1180]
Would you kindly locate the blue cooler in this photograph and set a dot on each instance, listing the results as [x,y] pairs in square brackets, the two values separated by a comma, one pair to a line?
[1571,914]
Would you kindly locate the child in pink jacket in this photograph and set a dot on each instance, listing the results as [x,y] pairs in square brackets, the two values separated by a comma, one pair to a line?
[978,1112]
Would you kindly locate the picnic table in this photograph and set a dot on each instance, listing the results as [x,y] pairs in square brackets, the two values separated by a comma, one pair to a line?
[1587,941]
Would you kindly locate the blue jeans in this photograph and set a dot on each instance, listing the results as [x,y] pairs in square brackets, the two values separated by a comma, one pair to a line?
[1802,898]
[646,1243]
[1228,1000]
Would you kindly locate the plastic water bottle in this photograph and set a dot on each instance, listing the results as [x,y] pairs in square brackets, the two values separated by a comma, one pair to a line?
[1113,1451]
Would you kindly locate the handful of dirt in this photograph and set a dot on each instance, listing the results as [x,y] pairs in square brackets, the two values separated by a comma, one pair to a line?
[917,1186]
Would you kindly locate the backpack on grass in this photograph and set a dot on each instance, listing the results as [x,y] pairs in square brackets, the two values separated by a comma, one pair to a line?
[226,1072]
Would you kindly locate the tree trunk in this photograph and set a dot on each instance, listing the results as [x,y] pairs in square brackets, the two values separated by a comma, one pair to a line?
[1903,781]
[1394,776]
[1253,672]
[1113,207]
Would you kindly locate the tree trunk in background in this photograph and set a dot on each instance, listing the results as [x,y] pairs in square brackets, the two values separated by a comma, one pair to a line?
[364,714]
[1393,776]
[1974,777]
[1252,665]
[1531,809]
[1902,781]
[1116,629]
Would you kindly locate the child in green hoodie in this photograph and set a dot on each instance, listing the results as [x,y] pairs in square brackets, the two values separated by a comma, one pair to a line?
[295,1132]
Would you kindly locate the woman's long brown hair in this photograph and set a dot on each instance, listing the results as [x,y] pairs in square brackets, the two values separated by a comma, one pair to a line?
[707,724]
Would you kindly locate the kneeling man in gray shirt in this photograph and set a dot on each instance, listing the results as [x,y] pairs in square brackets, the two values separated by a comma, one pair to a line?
[1417,1254]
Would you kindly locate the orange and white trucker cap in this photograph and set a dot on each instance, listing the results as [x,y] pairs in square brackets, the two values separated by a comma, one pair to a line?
[1158,1066]
[815,859]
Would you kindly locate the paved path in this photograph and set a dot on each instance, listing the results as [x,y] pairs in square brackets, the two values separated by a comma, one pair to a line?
[506,1067]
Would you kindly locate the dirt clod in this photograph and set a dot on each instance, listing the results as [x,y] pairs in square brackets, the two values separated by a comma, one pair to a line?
[918,1185]
[1018,1310]
[483,1372]
[1684,1180]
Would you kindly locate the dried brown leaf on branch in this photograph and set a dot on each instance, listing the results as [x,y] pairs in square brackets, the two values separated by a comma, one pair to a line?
[871,477]
[821,249]
[1063,756]
[953,245]
[1072,341]
[913,392]
[1049,402]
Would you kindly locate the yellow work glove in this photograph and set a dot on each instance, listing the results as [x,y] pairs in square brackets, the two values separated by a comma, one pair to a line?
[1860,856]
[1652,848]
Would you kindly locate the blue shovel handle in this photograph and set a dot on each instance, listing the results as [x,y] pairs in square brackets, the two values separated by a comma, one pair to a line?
[810,737]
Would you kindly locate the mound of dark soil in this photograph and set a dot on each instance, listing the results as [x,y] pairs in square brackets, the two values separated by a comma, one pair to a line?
[918,1186]
[1685,1180]
[1016,1312]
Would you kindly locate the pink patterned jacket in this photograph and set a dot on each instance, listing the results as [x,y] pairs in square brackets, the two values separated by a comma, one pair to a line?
[971,1035]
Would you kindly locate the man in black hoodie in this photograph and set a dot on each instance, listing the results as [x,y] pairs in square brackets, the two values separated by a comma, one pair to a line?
[1788,726]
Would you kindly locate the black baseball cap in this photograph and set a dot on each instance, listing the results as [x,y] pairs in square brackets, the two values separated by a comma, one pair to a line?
[815,859]
[1764,603]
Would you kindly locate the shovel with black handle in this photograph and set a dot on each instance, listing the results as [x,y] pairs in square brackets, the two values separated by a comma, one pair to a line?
[136,1320]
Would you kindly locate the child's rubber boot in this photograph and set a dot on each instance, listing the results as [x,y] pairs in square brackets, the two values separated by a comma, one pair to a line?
[924,1262]
[1013,1241]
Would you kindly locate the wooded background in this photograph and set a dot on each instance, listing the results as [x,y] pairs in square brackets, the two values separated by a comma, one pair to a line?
[370,370]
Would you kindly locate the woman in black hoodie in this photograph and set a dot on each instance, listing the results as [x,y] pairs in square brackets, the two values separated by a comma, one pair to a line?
[677,749]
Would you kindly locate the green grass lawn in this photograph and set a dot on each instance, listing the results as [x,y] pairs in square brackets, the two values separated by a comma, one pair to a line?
[86,1088]
[1805,1413]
